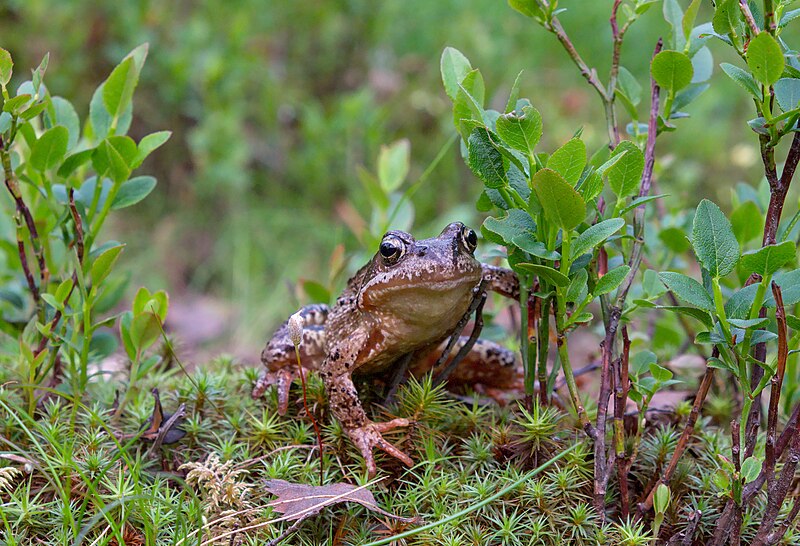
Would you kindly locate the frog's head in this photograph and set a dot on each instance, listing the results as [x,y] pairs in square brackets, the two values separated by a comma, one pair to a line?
[435,275]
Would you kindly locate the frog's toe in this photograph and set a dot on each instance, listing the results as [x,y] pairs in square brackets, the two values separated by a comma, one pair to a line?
[369,436]
[282,379]
[283,384]
[261,386]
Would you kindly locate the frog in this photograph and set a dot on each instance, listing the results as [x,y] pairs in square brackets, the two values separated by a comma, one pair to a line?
[411,298]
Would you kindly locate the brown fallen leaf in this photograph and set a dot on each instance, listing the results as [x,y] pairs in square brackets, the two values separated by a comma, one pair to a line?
[299,501]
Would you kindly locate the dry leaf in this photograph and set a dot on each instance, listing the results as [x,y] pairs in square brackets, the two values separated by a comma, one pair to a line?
[298,501]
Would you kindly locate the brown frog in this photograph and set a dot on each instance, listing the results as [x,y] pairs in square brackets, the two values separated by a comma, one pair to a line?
[401,306]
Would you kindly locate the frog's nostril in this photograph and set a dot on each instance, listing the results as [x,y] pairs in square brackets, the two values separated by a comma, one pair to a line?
[422,250]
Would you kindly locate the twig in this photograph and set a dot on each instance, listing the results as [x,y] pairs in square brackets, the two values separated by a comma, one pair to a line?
[601,471]
[770,454]
[777,494]
[23,258]
[751,22]
[613,73]
[780,532]
[621,385]
[769,17]
[685,537]
[777,490]
[590,74]
[25,213]
[737,508]
[688,430]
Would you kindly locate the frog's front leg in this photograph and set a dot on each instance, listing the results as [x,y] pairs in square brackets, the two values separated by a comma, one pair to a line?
[279,357]
[346,407]
[501,280]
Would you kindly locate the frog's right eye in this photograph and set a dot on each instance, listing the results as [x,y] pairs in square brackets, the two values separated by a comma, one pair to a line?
[391,249]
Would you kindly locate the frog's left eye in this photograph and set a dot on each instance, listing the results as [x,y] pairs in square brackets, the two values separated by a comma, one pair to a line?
[391,249]
[470,239]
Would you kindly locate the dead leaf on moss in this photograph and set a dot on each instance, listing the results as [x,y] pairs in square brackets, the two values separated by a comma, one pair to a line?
[298,501]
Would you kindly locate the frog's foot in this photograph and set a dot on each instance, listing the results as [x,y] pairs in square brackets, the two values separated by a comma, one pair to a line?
[282,379]
[368,437]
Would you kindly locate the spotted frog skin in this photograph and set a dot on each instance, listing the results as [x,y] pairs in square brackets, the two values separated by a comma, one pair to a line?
[405,302]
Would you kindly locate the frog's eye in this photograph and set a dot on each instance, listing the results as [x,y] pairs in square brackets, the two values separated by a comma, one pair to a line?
[391,249]
[470,239]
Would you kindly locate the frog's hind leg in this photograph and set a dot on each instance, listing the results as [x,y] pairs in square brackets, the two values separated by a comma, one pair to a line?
[279,356]
[487,367]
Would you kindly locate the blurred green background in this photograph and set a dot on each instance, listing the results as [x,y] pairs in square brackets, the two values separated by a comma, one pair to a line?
[275,106]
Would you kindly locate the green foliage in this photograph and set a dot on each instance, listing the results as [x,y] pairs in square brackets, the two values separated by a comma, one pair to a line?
[60,206]
[713,240]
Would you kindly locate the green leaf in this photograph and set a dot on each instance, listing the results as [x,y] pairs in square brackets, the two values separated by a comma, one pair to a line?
[769,259]
[33,111]
[713,240]
[49,150]
[64,289]
[765,58]
[505,229]
[148,145]
[787,92]
[552,275]
[672,70]
[720,364]
[744,324]
[751,468]
[64,114]
[687,289]
[521,131]
[6,67]
[485,160]
[641,361]
[594,236]
[674,16]
[629,85]
[103,263]
[527,241]
[145,329]
[528,8]
[578,287]
[393,164]
[133,191]
[52,301]
[662,496]
[660,373]
[702,67]
[639,201]
[687,96]
[743,78]
[699,314]
[591,187]
[747,222]
[17,105]
[739,304]
[562,205]
[454,66]
[788,17]
[625,174]
[513,95]
[611,280]
[727,17]
[569,160]
[113,157]
[74,161]
[316,292]
[689,17]
[469,101]
[118,88]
